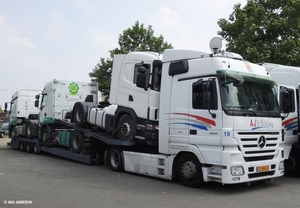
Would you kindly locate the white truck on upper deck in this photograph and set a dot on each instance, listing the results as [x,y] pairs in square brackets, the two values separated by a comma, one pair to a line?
[288,80]
[197,116]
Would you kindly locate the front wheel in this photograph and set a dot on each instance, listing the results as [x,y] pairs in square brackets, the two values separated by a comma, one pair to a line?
[292,164]
[1,134]
[126,130]
[189,171]
[115,159]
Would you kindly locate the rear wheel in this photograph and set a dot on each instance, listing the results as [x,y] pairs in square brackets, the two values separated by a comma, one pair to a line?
[76,141]
[22,146]
[28,130]
[189,170]
[29,147]
[78,116]
[126,130]
[36,149]
[115,159]
[1,134]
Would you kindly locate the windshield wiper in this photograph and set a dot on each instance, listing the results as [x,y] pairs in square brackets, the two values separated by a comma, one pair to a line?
[252,111]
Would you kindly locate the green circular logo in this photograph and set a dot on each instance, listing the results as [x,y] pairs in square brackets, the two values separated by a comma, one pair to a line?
[73,88]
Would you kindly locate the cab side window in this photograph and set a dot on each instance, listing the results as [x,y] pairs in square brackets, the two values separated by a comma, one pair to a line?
[136,72]
[44,101]
[204,95]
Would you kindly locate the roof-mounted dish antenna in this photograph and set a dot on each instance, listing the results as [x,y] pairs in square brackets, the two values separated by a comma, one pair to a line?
[215,45]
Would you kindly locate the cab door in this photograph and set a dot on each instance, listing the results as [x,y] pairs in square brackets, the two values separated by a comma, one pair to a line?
[205,118]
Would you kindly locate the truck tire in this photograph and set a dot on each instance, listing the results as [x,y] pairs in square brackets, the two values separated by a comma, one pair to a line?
[1,134]
[115,159]
[76,141]
[12,133]
[126,130]
[29,147]
[36,150]
[189,170]
[79,115]
[292,165]
[46,136]
[22,146]
[28,129]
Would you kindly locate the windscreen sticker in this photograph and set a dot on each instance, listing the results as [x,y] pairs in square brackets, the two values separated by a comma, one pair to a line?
[73,88]
[260,123]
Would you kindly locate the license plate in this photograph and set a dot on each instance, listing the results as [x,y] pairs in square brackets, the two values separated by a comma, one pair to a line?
[263,168]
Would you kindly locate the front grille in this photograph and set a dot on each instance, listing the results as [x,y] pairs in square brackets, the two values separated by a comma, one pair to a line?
[248,144]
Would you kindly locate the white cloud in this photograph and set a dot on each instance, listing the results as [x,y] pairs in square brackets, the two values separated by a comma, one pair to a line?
[83,6]
[166,19]
[102,39]
[11,41]
[170,24]
[58,28]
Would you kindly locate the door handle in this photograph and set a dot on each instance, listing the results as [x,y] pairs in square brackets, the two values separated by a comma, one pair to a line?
[193,131]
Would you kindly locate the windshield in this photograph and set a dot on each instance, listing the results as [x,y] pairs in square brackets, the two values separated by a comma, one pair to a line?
[254,95]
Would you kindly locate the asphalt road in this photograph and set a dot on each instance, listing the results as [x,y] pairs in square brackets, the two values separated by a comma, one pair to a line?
[29,180]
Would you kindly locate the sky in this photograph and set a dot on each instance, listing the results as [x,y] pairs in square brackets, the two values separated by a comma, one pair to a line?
[42,40]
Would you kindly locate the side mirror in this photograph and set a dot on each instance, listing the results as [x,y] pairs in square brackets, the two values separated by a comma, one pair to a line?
[143,81]
[37,97]
[285,100]
[36,103]
[238,83]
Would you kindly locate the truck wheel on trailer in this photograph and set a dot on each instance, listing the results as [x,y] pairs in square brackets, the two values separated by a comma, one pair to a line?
[36,149]
[12,133]
[189,170]
[46,135]
[76,141]
[126,130]
[28,131]
[115,159]
[22,146]
[29,147]
[78,115]
[292,165]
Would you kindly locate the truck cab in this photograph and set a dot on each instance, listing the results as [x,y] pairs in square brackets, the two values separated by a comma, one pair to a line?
[23,115]
[287,78]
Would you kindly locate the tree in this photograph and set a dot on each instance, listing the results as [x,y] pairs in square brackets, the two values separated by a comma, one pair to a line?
[264,31]
[136,38]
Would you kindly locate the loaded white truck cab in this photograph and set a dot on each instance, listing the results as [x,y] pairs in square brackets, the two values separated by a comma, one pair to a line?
[23,115]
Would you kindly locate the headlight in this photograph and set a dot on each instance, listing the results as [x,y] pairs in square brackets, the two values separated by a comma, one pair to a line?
[281,165]
[237,170]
